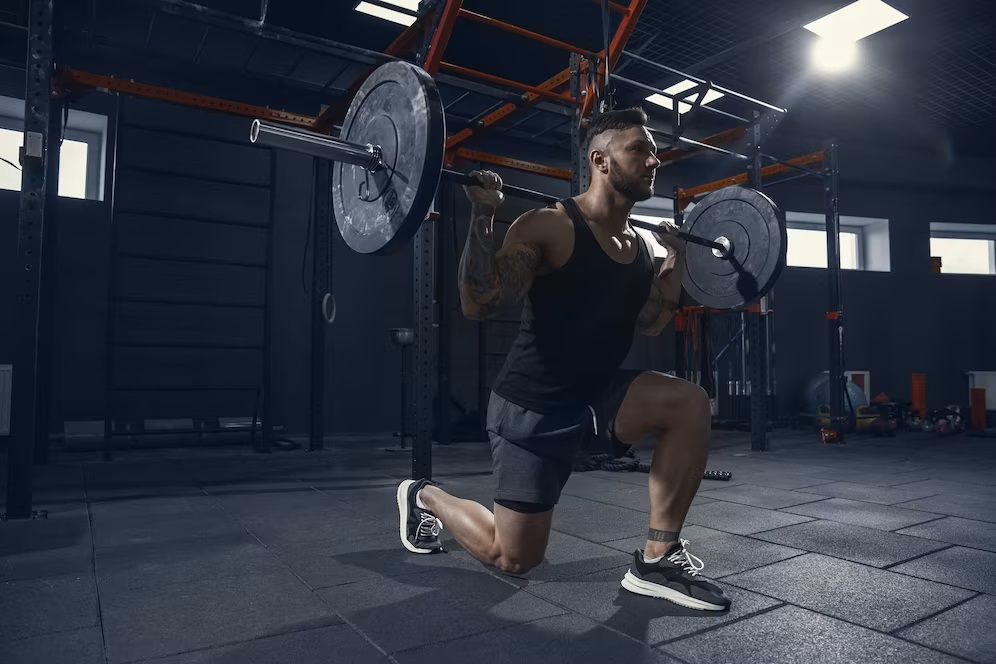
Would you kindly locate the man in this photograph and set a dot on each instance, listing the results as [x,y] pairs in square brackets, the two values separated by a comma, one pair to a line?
[590,281]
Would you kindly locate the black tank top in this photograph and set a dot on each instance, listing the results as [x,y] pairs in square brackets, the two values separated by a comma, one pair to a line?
[577,325]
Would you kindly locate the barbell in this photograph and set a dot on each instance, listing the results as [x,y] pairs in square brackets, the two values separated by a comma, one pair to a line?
[388,161]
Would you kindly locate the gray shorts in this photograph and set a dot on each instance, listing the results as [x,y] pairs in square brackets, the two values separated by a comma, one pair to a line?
[533,453]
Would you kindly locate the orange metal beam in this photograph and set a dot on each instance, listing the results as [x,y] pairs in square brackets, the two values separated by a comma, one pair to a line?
[441,37]
[497,80]
[509,108]
[518,164]
[728,136]
[631,14]
[685,195]
[86,79]
[621,9]
[522,32]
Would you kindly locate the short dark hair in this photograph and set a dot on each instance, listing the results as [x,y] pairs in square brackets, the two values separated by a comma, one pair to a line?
[619,120]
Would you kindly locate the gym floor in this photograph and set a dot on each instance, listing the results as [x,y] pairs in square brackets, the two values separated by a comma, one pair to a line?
[881,550]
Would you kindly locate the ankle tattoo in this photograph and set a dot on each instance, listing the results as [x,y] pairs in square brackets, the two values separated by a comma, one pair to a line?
[655,535]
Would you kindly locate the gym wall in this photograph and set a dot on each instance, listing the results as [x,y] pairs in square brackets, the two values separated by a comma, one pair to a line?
[907,320]
[897,322]
[195,189]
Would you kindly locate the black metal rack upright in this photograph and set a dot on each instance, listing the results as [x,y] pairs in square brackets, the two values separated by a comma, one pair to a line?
[425,355]
[835,305]
[321,286]
[752,316]
[32,337]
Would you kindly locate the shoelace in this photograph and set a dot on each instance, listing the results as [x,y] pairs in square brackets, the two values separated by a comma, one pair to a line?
[429,527]
[687,561]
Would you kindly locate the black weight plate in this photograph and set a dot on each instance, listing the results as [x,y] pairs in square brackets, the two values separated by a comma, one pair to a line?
[398,108]
[755,227]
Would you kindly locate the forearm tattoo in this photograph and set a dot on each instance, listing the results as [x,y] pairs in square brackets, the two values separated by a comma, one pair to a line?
[663,299]
[655,535]
[487,280]
[476,269]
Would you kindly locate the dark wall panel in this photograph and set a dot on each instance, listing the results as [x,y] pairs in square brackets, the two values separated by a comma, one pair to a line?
[184,283]
[194,157]
[189,238]
[290,304]
[138,323]
[187,404]
[188,197]
[186,368]
[81,247]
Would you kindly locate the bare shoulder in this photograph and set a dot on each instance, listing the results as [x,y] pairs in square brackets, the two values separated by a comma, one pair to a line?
[544,228]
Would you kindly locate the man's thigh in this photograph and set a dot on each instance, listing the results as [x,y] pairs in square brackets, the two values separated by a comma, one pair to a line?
[533,453]
[522,536]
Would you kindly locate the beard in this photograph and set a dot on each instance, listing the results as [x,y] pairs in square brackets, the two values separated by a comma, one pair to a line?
[635,188]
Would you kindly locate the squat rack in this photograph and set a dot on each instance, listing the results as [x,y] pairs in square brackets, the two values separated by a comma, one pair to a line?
[585,77]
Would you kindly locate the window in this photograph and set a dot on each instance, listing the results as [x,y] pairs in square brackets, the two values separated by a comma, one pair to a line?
[808,248]
[964,248]
[81,158]
[864,242]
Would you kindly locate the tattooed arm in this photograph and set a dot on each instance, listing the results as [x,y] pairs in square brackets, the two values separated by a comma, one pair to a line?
[489,279]
[665,291]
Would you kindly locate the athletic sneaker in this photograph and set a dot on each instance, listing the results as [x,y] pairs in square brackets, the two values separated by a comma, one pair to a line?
[676,578]
[419,528]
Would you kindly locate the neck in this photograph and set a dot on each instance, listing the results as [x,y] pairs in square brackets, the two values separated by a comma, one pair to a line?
[605,206]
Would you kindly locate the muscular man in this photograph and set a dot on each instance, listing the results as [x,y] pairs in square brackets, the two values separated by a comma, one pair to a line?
[589,281]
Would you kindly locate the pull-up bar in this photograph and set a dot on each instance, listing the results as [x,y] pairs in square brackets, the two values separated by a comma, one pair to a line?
[498,80]
[695,79]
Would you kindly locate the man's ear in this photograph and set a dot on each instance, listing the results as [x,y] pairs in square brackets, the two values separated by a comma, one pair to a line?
[599,159]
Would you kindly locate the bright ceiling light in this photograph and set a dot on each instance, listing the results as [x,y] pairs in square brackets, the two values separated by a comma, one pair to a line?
[387,14]
[856,21]
[678,88]
[832,56]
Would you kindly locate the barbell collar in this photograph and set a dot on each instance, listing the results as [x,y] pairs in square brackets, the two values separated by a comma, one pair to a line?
[315,144]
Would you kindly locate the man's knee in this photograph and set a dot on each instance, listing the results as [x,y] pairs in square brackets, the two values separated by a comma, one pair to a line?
[679,403]
[517,564]
[697,401]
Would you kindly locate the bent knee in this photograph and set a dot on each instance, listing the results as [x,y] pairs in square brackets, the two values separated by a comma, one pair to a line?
[697,400]
[517,564]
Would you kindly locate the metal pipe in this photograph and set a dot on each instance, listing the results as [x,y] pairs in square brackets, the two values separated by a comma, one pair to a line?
[504,95]
[498,80]
[700,144]
[695,79]
[317,145]
[676,98]
[202,14]
[522,32]
[788,179]
[803,169]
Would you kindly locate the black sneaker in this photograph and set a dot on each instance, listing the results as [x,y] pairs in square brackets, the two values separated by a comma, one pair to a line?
[419,528]
[675,577]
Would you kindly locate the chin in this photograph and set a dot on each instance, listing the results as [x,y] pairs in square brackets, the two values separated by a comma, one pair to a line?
[642,193]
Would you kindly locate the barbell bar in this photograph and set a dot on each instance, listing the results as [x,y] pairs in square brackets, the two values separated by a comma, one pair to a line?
[369,158]
[388,161]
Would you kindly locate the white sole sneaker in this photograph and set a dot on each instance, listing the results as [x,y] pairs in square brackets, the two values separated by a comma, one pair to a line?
[635,584]
[403,509]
